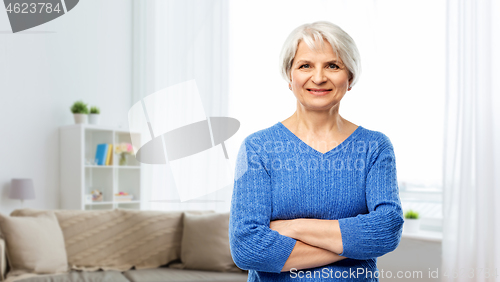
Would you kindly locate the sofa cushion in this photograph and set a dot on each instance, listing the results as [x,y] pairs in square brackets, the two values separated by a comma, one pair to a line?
[205,243]
[75,276]
[170,274]
[3,259]
[119,239]
[34,244]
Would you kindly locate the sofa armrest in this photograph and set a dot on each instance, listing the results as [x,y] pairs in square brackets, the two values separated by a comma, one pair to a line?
[3,260]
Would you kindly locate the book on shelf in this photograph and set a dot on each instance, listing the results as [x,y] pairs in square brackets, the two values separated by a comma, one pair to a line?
[101,154]
[109,157]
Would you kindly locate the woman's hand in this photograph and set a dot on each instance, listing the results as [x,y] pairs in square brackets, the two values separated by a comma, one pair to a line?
[308,232]
[322,233]
[284,227]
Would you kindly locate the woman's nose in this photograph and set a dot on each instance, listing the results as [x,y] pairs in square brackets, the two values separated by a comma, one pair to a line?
[319,76]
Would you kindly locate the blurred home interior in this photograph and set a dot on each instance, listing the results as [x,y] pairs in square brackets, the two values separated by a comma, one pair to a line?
[83,93]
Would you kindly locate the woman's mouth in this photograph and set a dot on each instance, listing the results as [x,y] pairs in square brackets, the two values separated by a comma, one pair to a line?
[319,92]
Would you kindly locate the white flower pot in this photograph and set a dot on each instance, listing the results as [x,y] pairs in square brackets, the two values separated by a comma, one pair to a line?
[80,118]
[411,225]
[94,118]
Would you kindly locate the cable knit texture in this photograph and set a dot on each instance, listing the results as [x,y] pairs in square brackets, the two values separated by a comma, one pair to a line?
[279,176]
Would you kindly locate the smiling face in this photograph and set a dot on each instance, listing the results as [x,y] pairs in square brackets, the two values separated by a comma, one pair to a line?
[319,80]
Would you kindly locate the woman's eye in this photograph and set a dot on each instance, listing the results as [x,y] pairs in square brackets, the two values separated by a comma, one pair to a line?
[333,66]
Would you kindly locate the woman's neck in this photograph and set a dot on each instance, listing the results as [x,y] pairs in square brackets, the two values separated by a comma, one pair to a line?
[317,123]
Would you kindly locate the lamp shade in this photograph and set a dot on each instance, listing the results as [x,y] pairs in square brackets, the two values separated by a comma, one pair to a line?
[22,189]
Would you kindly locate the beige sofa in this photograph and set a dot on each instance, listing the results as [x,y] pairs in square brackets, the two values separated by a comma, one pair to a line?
[116,245]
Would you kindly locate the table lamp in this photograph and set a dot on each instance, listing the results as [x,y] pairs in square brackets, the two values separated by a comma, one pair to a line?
[22,189]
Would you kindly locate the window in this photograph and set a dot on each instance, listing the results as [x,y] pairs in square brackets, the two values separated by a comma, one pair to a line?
[427,200]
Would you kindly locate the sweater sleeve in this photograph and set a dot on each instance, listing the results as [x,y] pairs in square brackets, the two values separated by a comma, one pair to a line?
[254,246]
[378,232]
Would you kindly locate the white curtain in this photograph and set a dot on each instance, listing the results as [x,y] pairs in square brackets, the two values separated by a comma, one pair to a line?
[471,213]
[177,41]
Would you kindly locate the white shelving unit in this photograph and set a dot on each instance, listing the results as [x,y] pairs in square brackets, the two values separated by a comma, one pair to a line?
[78,145]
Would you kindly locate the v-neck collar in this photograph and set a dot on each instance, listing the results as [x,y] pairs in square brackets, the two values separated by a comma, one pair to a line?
[313,151]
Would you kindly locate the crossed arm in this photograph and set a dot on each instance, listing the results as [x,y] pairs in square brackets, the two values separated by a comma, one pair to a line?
[316,242]
[319,241]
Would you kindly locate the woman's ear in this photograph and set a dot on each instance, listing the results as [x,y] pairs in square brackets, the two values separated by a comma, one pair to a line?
[350,82]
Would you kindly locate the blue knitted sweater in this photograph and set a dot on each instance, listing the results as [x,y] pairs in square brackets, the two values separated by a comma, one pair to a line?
[278,176]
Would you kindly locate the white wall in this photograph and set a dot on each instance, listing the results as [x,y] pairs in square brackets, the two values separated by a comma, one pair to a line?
[85,54]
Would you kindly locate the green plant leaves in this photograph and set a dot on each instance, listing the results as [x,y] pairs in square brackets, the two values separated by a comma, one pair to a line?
[411,214]
[79,107]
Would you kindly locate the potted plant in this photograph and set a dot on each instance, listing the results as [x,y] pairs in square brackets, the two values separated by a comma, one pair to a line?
[412,222]
[80,111]
[94,115]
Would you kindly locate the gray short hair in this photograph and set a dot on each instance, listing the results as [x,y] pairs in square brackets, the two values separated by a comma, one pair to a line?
[342,44]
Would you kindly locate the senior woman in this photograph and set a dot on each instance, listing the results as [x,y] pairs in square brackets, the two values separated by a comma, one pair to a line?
[315,196]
